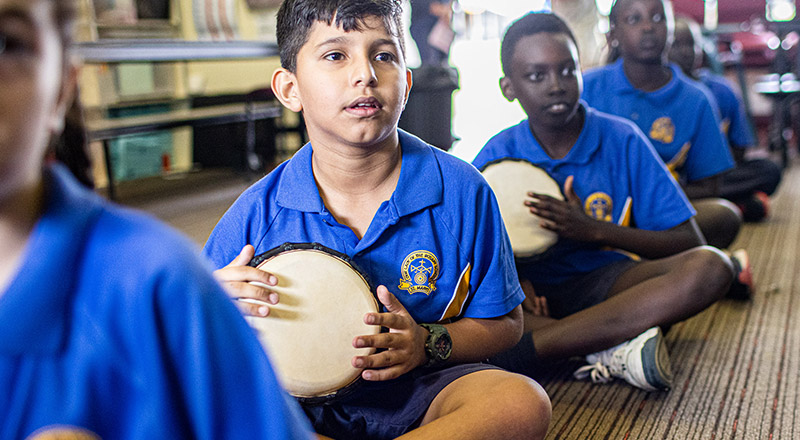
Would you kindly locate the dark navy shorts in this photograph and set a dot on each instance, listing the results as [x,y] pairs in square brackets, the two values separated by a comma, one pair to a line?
[387,409]
[582,291]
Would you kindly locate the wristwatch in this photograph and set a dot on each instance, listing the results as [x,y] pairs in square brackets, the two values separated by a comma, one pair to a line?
[438,345]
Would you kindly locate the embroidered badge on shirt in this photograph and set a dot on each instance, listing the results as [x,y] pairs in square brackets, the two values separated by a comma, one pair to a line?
[420,270]
[599,206]
[663,130]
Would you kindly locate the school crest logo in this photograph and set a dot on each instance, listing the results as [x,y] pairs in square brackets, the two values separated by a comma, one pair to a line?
[663,130]
[599,206]
[419,270]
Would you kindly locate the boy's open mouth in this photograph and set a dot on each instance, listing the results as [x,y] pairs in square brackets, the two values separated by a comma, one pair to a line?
[558,107]
[365,103]
[366,106]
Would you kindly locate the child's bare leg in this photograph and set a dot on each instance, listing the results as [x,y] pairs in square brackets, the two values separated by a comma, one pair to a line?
[657,292]
[488,404]
[719,220]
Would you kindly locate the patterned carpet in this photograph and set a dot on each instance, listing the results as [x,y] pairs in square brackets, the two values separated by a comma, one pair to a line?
[736,365]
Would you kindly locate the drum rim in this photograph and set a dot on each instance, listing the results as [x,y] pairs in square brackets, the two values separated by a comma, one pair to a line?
[518,159]
[291,246]
[544,254]
[294,246]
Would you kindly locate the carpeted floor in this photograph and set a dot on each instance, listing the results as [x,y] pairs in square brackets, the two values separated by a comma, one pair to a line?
[736,365]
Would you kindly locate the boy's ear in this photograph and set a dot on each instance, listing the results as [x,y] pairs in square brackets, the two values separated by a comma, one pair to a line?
[66,94]
[507,89]
[611,39]
[409,82]
[284,86]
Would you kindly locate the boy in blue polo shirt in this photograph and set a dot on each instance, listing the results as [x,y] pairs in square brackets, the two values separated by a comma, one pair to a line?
[587,296]
[675,114]
[111,325]
[750,183]
[398,208]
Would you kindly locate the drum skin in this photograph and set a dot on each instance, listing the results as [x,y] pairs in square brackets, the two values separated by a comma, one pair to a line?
[511,180]
[309,334]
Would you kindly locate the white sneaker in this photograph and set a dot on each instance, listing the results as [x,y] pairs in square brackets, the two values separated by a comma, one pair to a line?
[643,362]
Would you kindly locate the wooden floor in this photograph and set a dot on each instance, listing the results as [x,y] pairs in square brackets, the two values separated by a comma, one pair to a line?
[736,365]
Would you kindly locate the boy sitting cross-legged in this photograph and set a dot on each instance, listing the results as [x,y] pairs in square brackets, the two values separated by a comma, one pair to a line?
[382,196]
[587,297]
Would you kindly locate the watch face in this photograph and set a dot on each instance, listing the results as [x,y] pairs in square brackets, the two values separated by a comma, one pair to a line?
[443,345]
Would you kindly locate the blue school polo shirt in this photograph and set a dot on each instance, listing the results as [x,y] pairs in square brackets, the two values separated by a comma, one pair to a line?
[438,243]
[617,176]
[731,108]
[679,119]
[113,326]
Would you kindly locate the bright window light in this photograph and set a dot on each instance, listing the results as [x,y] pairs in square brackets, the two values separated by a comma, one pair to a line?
[604,6]
[711,14]
[515,8]
[781,10]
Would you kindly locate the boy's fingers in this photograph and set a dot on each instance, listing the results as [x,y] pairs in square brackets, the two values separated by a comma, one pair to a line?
[245,274]
[250,290]
[543,304]
[529,305]
[252,308]
[247,253]
[381,340]
[569,190]
[541,197]
[389,301]
[384,373]
[388,320]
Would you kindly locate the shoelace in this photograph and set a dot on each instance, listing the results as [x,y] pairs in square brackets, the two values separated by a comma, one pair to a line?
[598,373]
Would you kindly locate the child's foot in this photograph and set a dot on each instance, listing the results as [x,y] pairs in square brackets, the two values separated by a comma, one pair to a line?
[756,208]
[742,285]
[643,362]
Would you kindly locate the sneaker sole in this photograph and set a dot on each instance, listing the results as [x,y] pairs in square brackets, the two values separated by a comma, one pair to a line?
[658,374]
[654,362]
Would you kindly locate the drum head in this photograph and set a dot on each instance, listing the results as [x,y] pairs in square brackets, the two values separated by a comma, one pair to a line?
[309,334]
[511,180]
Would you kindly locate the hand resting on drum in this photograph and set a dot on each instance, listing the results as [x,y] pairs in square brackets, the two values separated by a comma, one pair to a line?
[248,285]
[564,217]
[404,342]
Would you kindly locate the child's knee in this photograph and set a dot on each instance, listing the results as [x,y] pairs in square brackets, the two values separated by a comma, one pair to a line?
[712,271]
[719,220]
[525,405]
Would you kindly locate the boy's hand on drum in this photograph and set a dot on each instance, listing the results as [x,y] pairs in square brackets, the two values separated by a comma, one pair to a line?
[251,287]
[404,343]
[564,217]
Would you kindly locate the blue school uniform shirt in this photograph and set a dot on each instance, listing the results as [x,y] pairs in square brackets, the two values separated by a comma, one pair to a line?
[617,176]
[114,327]
[734,119]
[438,244]
[679,119]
